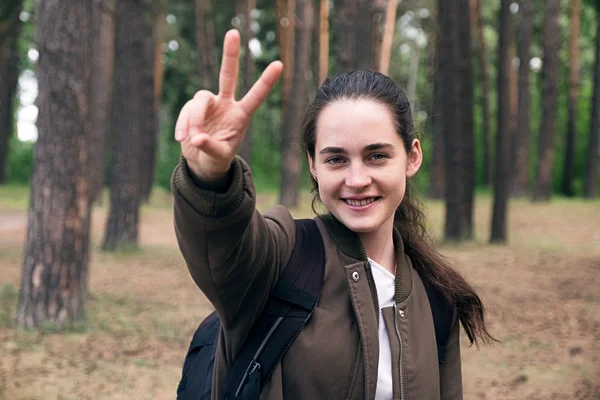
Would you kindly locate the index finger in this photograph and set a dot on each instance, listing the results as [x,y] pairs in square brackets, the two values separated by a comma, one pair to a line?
[230,64]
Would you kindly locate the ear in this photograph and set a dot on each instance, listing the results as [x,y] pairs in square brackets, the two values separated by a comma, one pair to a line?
[311,166]
[414,159]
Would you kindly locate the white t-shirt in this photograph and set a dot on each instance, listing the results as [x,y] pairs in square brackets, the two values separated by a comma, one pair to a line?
[385,284]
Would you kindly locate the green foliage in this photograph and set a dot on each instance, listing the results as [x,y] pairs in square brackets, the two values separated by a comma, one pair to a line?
[8,304]
[20,161]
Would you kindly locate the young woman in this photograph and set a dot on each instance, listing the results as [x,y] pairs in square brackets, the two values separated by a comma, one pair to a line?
[372,334]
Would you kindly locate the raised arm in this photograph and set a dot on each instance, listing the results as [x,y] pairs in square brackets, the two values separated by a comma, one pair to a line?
[232,251]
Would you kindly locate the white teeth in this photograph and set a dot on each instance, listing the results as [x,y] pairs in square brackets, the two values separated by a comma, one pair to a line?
[360,203]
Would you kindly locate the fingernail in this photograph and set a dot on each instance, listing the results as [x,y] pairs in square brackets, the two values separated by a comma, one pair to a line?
[178,134]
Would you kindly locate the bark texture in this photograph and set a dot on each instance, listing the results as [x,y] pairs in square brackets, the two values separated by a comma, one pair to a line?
[128,124]
[56,250]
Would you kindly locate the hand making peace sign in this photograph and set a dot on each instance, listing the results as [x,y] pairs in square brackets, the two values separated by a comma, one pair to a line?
[211,127]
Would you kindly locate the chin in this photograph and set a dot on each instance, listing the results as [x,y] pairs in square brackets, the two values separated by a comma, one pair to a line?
[359,226]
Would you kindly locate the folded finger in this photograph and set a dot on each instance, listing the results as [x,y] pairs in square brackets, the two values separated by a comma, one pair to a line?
[182,124]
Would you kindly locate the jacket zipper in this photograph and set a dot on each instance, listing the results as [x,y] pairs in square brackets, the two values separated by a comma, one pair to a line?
[401,351]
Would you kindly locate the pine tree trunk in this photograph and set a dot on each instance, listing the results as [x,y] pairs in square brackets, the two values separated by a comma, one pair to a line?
[590,188]
[56,256]
[467,123]
[149,132]
[356,32]
[10,29]
[323,41]
[569,161]
[436,186]
[485,96]
[101,91]
[248,73]
[205,38]
[291,161]
[522,139]
[542,190]
[452,89]
[501,180]
[388,37]
[128,125]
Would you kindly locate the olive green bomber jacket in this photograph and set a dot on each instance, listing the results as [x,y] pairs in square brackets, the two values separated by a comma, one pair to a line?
[235,255]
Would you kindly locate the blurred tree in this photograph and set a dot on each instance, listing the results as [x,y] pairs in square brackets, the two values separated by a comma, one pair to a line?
[436,184]
[291,156]
[542,189]
[103,31]
[56,250]
[456,90]
[245,12]
[129,102]
[501,181]
[569,160]
[388,37]
[206,46]
[465,109]
[522,139]
[593,150]
[477,23]
[323,41]
[358,32]
[153,36]
[10,28]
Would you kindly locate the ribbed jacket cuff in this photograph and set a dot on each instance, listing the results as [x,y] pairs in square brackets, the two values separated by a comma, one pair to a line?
[208,202]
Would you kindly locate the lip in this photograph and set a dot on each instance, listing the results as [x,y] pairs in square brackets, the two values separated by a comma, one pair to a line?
[361,208]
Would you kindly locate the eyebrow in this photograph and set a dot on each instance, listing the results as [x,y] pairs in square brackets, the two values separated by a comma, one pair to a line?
[370,147]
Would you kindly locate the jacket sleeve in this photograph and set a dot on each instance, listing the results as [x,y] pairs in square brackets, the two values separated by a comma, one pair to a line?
[450,370]
[233,253]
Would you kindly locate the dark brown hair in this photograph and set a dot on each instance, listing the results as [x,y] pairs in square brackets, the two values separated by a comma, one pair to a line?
[409,218]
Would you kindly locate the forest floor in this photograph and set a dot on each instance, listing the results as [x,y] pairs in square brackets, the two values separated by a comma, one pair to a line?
[541,293]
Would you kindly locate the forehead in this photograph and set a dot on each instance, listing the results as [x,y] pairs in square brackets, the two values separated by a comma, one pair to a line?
[355,122]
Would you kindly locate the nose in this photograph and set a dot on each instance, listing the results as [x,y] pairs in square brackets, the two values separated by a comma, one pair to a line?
[358,177]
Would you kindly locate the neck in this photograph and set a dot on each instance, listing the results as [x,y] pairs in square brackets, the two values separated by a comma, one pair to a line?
[379,246]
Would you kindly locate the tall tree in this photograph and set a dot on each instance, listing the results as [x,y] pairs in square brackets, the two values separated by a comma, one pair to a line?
[522,139]
[356,31]
[542,189]
[477,23]
[128,124]
[323,41]
[456,87]
[436,185]
[101,90]
[205,39]
[287,32]
[150,128]
[590,189]
[569,160]
[291,161]
[56,249]
[10,27]
[388,37]
[501,180]
[465,69]
[247,6]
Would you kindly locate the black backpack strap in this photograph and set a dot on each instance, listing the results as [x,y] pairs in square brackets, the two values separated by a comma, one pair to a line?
[442,311]
[289,307]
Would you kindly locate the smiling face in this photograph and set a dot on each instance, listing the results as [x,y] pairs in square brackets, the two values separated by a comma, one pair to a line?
[361,165]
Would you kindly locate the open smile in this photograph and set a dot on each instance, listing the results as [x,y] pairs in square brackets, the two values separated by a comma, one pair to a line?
[361,204]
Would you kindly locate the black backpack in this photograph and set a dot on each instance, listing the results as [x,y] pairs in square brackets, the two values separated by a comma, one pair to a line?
[289,307]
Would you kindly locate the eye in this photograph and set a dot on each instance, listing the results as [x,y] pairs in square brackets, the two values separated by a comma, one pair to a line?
[334,160]
[378,157]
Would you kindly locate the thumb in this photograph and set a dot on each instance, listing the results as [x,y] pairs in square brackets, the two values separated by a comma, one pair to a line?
[214,148]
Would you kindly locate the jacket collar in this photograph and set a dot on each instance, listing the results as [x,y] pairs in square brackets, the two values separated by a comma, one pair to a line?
[348,242]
